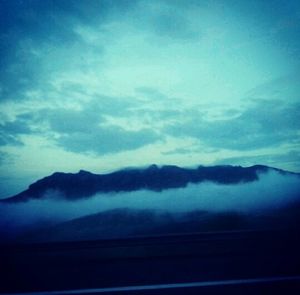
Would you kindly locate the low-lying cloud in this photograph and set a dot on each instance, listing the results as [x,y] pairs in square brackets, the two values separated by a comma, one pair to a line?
[272,191]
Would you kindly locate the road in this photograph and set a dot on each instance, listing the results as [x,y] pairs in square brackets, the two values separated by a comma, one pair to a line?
[257,262]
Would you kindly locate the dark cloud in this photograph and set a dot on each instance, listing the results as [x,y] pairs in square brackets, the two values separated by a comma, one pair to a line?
[81,130]
[89,117]
[286,86]
[44,25]
[170,24]
[3,158]
[278,19]
[92,127]
[11,130]
[288,158]
[87,130]
[265,124]
[73,121]
[274,116]
[275,8]
[104,140]
[55,19]
[164,19]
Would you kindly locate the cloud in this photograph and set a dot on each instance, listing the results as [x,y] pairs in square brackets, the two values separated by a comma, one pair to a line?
[88,129]
[170,24]
[67,121]
[290,158]
[4,158]
[272,191]
[84,128]
[41,40]
[33,32]
[287,86]
[108,139]
[11,130]
[94,124]
[264,124]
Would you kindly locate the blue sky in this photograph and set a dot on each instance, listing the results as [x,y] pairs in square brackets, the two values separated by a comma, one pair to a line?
[99,85]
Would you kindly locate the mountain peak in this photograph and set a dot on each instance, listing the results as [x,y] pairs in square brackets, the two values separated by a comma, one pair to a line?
[84,172]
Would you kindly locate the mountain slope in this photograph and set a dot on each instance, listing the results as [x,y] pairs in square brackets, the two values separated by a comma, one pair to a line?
[84,184]
[125,223]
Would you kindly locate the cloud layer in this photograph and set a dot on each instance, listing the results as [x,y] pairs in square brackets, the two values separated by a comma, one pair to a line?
[272,191]
[263,124]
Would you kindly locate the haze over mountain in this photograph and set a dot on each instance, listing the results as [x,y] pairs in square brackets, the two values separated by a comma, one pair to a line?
[153,200]
[84,184]
[126,223]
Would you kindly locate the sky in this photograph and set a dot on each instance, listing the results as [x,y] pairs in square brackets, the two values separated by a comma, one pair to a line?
[104,84]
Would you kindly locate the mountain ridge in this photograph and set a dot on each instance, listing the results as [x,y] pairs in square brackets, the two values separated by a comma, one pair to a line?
[84,184]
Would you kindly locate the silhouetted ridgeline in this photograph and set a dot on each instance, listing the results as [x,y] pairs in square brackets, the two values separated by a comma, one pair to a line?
[84,184]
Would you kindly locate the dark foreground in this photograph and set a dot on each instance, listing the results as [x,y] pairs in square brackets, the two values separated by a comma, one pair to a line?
[260,262]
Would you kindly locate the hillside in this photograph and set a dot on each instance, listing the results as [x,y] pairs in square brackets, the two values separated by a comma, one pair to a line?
[72,186]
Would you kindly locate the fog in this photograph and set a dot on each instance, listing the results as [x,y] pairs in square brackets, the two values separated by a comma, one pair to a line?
[271,191]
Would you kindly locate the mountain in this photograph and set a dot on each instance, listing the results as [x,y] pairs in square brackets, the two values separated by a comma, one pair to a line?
[125,223]
[74,186]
